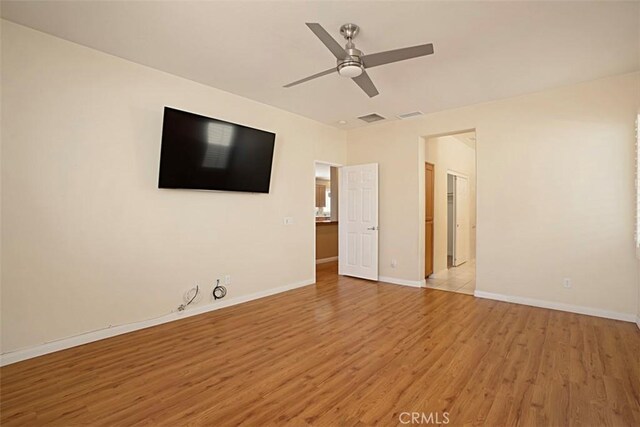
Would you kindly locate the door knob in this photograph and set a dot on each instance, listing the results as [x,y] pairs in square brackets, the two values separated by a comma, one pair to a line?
[372,228]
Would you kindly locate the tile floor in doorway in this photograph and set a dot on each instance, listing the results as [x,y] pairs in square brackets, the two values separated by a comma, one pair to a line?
[460,279]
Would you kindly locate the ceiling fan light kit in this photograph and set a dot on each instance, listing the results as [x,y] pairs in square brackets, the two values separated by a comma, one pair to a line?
[350,69]
[352,63]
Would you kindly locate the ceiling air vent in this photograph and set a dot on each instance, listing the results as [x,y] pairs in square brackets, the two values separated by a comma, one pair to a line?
[370,118]
[409,115]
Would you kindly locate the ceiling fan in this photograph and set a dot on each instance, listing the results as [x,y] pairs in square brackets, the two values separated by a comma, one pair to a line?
[353,63]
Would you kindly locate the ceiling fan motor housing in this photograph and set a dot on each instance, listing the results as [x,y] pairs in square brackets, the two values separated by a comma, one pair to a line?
[352,65]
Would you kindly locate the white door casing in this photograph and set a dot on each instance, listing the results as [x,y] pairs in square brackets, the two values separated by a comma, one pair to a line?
[358,221]
[462,239]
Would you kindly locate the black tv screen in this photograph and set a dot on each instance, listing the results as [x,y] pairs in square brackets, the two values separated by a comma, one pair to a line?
[208,154]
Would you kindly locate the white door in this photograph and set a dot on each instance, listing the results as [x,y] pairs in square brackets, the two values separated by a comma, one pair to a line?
[462,241]
[358,221]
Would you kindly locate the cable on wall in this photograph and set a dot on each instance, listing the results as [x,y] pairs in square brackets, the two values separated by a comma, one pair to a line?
[219,291]
[182,307]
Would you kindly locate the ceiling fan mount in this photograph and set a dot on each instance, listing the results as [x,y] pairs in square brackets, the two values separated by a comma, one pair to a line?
[352,63]
[349,31]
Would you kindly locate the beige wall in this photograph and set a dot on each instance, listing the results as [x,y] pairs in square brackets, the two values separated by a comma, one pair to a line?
[447,153]
[88,239]
[555,174]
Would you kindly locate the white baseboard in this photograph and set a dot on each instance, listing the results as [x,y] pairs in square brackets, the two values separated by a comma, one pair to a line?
[638,321]
[627,317]
[53,346]
[323,260]
[396,281]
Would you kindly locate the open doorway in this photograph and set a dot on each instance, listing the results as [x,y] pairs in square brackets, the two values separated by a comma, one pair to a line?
[450,190]
[458,221]
[326,192]
[451,214]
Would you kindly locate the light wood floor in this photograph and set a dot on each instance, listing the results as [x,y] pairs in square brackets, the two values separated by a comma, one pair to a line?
[343,352]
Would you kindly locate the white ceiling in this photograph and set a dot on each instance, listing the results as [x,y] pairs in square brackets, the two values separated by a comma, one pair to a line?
[483,50]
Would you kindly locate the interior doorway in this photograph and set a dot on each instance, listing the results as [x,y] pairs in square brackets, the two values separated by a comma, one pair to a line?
[458,230]
[326,216]
[450,212]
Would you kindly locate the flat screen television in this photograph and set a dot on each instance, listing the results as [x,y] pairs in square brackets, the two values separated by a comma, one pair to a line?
[202,153]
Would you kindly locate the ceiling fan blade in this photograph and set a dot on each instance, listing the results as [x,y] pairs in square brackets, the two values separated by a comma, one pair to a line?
[335,48]
[396,55]
[306,79]
[365,83]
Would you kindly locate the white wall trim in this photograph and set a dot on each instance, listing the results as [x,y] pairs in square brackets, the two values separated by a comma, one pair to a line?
[589,311]
[638,321]
[456,173]
[100,334]
[396,281]
[323,260]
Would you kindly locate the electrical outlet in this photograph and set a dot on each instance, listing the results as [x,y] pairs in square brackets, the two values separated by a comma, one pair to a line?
[227,279]
[288,220]
[567,283]
[394,263]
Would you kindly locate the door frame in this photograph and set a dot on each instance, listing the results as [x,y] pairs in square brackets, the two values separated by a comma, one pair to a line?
[421,159]
[313,210]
